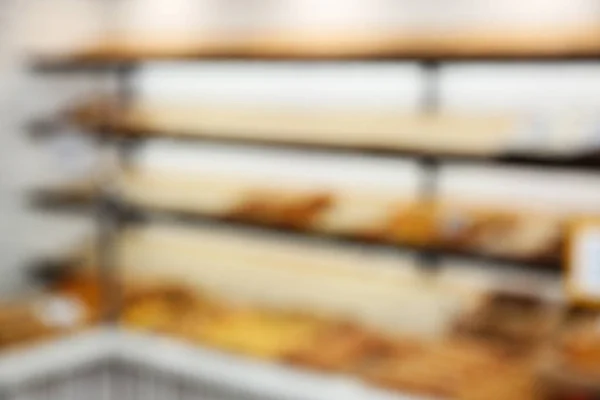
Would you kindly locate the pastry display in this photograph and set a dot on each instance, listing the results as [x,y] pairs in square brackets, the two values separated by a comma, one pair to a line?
[518,235]
[487,351]
[372,315]
[463,365]
[383,218]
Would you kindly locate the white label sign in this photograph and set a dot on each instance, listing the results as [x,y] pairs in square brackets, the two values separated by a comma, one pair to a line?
[584,275]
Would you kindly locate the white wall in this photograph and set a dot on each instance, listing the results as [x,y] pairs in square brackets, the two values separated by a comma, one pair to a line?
[60,24]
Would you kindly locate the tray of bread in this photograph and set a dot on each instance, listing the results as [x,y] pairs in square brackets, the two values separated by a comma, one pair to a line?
[378,216]
[453,366]
[371,317]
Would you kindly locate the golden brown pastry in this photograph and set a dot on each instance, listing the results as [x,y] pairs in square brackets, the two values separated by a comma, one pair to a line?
[297,211]
[415,225]
[301,214]
[159,309]
[259,333]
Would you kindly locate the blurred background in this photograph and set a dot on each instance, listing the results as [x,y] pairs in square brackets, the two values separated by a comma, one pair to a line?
[324,152]
[556,101]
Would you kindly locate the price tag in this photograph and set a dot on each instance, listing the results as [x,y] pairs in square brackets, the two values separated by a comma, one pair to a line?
[583,264]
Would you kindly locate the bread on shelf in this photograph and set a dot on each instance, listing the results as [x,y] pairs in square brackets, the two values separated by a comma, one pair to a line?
[374,215]
[334,312]
[291,210]
[456,367]
[416,224]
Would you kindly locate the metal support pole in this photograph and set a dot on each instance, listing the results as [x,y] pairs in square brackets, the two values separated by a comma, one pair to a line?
[430,104]
[126,95]
[110,210]
[107,260]
[429,165]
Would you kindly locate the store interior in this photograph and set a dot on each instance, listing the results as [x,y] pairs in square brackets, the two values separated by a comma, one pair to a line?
[224,199]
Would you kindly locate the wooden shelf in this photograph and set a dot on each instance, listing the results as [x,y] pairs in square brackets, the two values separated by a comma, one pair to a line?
[135,214]
[556,44]
[131,132]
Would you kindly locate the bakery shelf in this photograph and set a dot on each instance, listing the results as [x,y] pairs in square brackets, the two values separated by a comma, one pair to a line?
[194,219]
[56,198]
[581,44]
[378,305]
[132,133]
[375,302]
[101,64]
